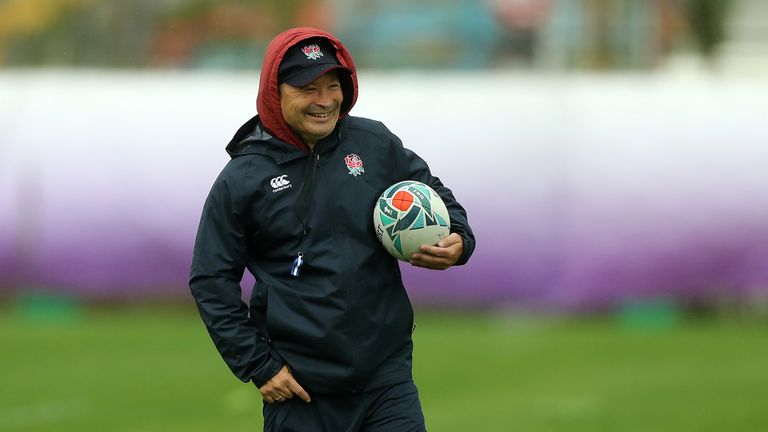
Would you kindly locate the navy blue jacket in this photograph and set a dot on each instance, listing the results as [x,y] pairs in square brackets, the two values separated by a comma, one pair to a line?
[344,323]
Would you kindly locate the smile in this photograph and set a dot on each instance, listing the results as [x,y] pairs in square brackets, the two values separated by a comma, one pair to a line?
[319,115]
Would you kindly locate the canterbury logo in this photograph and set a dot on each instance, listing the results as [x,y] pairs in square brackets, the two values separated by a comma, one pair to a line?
[280,183]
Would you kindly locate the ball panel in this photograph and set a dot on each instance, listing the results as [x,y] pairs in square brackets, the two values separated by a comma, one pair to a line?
[386,220]
[402,200]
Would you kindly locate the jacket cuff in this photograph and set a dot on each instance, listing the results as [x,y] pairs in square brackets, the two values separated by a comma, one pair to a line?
[469,247]
[273,366]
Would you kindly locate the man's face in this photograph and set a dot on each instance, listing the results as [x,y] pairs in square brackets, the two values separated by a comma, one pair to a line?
[313,110]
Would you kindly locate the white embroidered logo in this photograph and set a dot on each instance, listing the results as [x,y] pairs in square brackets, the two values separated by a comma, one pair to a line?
[280,183]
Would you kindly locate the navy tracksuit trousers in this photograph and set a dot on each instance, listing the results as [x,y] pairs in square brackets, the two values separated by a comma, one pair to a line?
[394,408]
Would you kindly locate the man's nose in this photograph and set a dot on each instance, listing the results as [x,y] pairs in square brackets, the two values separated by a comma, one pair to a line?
[324,98]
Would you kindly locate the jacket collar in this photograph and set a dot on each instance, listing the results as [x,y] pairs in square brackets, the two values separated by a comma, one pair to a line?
[252,138]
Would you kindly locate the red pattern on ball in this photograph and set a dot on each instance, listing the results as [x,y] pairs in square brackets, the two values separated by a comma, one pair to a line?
[402,200]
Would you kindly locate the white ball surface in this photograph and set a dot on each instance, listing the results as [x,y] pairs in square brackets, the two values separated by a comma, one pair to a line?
[407,215]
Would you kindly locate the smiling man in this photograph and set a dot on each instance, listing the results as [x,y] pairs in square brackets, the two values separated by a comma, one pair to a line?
[326,336]
[310,90]
[312,110]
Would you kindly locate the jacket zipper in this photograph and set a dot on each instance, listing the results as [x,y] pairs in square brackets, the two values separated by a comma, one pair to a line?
[303,210]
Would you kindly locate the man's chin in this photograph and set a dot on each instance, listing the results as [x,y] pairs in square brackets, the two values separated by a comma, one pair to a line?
[321,133]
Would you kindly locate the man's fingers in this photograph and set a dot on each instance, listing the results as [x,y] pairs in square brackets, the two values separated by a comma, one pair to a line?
[299,391]
[278,396]
[440,257]
[294,388]
[430,261]
[434,257]
[282,387]
[287,393]
[432,250]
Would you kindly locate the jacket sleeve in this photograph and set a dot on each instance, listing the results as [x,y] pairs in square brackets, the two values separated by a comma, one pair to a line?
[415,168]
[218,263]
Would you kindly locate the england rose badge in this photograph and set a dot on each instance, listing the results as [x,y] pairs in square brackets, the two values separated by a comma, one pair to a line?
[354,164]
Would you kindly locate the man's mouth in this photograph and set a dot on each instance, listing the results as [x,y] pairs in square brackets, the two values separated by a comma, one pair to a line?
[319,115]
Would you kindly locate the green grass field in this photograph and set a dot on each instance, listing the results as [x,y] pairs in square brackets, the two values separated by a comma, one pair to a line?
[153,369]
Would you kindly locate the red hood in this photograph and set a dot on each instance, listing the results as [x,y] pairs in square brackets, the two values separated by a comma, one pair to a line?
[268,99]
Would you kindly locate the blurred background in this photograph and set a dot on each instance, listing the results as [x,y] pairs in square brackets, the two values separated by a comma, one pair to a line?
[611,155]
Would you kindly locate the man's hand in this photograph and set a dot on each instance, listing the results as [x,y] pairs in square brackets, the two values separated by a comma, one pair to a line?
[282,386]
[442,256]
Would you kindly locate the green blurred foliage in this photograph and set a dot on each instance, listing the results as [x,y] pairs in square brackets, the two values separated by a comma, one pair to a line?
[708,19]
[232,34]
[139,33]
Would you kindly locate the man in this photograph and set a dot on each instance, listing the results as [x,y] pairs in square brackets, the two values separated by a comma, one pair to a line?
[327,336]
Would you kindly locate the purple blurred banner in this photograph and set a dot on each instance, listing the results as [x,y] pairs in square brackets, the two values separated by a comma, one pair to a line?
[584,192]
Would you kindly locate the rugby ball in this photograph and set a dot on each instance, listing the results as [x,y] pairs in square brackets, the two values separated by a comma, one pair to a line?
[407,215]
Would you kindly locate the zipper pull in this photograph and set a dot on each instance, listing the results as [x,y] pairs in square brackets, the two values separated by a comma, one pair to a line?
[297,262]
